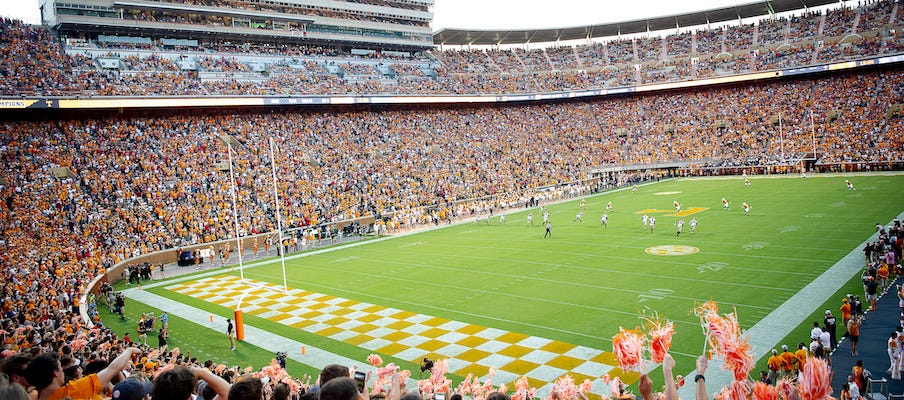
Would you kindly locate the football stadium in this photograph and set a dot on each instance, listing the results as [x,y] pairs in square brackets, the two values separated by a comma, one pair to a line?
[332,199]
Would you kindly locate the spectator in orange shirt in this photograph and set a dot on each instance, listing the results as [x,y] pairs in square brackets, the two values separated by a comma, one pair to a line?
[882,273]
[46,374]
[775,366]
[788,361]
[801,356]
[845,312]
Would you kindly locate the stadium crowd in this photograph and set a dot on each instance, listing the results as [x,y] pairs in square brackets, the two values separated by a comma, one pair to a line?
[376,163]
[33,61]
[144,182]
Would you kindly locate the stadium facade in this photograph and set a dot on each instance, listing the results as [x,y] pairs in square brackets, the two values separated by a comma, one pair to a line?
[402,25]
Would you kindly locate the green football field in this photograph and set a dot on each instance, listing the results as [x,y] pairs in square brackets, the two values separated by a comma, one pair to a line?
[579,286]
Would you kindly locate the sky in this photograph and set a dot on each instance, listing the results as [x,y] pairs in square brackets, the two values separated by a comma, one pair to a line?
[503,14]
[514,14]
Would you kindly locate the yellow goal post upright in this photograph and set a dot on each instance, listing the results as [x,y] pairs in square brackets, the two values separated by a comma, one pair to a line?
[237,313]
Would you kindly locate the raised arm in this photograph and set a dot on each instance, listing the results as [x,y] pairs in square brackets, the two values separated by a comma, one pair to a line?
[219,385]
[671,389]
[699,380]
[120,363]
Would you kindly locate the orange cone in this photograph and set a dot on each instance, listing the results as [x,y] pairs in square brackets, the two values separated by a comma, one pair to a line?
[304,350]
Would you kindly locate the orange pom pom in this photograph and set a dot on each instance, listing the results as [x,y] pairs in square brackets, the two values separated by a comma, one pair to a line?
[660,332]
[628,349]
[815,380]
[762,391]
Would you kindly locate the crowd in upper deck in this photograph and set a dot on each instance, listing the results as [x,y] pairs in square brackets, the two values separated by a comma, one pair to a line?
[32,61]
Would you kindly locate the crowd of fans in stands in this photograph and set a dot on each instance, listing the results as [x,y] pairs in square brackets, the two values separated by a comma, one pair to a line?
[127,199]
[31,61]
[377,163]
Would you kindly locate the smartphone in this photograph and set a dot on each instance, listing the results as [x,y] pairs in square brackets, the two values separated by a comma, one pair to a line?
[359,380]
[439,396]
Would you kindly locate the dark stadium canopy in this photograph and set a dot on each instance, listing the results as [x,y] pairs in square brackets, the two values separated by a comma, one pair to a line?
[463,37]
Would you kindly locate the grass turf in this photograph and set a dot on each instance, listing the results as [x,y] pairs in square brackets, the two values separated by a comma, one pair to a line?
[585,281]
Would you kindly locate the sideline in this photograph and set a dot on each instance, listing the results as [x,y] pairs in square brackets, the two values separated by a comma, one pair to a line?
[766,334]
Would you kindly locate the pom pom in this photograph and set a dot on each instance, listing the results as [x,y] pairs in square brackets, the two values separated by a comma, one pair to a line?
[465,386]
[564,389]
[386,371]
[374,360]
[615,387]
[725,338]
[762,391]
[521,384]
[628,348]
[815,380]
[78,344]
[737,390]
[586,386]
[785,388]
[660,333]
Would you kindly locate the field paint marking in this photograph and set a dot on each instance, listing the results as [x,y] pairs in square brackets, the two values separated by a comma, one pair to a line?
[646,275]
[671,250]
[639,259]
[673,213]
[654,294]
[314,357]
[470,314]
[714,266]
[754,246]
[459,311]
[766,334]
[343,259]
[524,277]
[463,221]
[646,237]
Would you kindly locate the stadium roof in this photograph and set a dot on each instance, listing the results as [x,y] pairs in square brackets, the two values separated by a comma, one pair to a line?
[463,37]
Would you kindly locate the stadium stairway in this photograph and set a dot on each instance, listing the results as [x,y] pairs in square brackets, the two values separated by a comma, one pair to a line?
[874,333]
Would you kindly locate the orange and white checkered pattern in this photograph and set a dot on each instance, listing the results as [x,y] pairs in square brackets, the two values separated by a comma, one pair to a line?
[411,336]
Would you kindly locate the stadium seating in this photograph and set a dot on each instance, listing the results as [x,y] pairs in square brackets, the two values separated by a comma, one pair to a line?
[132,190]
[843,34]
